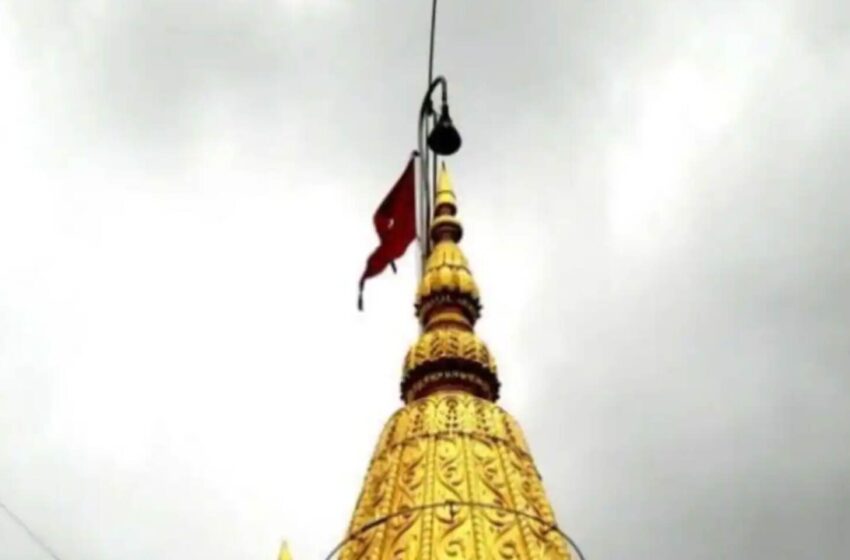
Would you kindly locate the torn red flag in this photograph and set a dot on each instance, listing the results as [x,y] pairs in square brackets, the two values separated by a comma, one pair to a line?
[395,223]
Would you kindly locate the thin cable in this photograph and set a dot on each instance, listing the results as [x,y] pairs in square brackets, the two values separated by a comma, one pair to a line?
[431,53]
[35,538]
[452,504]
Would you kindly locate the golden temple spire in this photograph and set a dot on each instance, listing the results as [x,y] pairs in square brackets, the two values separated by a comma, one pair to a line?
[452,475]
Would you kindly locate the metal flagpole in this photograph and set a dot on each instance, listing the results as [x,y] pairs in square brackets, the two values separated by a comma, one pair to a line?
[426,166]
[433,170]
[424,196]
[417,200]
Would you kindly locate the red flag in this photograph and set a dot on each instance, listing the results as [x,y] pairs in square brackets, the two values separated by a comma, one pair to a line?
[395,222]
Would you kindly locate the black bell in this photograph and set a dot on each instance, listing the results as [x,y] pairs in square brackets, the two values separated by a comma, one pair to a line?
[444,139]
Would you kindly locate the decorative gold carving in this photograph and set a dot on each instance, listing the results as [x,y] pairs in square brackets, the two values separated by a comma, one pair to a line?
[449,343]
[452,477]
[441,380]
[448,354]
[447,271]
[447,276]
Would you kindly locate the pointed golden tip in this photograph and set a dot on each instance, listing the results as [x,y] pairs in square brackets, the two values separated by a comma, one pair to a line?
[284,552]
[445,201]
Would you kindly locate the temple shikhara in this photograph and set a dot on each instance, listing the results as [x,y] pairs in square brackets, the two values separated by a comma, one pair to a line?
[452,475]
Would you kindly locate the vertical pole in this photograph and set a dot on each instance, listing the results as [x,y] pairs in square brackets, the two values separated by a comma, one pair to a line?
[422,193]
[428,184]
[432,193]
[417,200]
[426,195]
[424,186]
[431,52]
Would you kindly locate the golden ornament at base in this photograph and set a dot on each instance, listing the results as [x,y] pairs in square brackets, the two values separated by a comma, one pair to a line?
[452,477]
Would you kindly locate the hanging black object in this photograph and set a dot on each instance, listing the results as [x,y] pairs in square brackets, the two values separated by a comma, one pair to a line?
[444,139]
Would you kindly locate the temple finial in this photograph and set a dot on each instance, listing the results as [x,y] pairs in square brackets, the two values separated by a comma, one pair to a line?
[448,352]
[284,552]
[445,226]
[445,201]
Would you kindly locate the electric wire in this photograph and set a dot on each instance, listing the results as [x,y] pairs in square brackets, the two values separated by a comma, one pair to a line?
[30,533]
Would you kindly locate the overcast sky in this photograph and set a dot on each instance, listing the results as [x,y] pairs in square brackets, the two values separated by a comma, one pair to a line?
[657,204]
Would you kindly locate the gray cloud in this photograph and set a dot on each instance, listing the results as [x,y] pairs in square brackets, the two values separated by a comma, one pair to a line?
[654,197]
